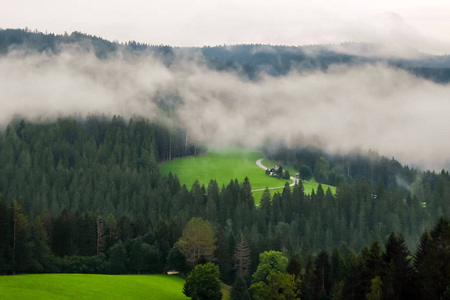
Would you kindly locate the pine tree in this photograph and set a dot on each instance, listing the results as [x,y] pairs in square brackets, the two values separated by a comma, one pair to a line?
[399,276]
[337,267]
[242,257]
[117,257]
[373,261]
[246,194]
[264,210]
[432,261]
[224,255]
[322,274]
[20,244]
[376,289]
[101,238]
[40,251]
[239,291]
[113,233]
[6,232]
[138,254]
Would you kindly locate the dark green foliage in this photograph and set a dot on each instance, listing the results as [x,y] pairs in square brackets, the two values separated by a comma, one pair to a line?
[203,283]
[82,264]
[322,284]
[398,273]
[68,173]
[278,285]
[376,289]
[239,291]
[5,238]
[139,256]
[354,286]
[176,260]
[111,160]
[117,258]
[21,247]
[432,261]
[40,251]
[64,235]
[305,172]
[373,261]
[86,234]
[321,169]
[265,211]
[224,254]
[270,261]
[110,167]
[337,266]
[295,266]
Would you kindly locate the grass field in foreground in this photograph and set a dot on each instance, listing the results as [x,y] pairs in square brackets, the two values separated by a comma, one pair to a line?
[89,286]
[225,165]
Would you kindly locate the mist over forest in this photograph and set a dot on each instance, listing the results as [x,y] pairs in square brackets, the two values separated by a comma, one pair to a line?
[341,98]
[86,126]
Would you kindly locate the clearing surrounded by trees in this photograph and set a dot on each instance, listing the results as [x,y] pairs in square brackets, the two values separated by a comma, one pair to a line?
[229,164]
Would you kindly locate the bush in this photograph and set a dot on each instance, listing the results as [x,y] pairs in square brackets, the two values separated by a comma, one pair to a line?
[203,283]
[305,172]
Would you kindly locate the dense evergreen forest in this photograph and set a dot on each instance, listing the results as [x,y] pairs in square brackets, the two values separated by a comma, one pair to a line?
[250,61]
[87,196]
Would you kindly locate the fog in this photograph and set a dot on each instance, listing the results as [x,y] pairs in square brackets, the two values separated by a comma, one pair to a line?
[366,107]
[398,25]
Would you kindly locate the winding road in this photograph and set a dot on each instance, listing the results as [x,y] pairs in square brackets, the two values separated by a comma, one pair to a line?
[259,163]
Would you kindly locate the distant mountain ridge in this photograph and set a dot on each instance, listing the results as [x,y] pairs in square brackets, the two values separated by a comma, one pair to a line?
[249,60]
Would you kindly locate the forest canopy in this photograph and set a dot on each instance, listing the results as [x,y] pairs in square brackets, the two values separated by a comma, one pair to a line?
[85,194]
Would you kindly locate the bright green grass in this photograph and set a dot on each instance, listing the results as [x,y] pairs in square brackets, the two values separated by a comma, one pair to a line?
[89,286]
[223,166]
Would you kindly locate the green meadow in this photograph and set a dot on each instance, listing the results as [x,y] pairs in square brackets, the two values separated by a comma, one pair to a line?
[223,166]
[89,286]
[226,165]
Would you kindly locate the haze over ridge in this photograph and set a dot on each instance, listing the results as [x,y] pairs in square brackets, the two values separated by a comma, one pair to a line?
[346,107]
[398,25]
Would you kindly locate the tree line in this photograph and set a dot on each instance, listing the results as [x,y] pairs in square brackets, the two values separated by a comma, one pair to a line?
[87,196]
[250,61]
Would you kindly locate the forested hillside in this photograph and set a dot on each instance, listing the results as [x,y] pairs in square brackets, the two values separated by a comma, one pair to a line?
[251,61]
[87,196]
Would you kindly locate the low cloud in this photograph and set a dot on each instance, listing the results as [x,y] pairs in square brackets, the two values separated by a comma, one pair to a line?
[362,107]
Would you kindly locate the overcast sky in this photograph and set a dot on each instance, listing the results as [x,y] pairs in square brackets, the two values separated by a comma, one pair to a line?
[419,24]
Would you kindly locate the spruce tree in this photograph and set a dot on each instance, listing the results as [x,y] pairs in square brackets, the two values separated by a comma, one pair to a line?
[239,291]
[399,276]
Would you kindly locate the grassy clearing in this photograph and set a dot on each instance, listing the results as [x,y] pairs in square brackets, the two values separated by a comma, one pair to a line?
[89,286]
[226,165]
[223,166]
